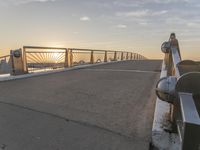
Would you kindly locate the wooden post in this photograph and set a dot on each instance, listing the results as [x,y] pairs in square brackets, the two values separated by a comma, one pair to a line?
[106,57]
[115,56]
[92,57]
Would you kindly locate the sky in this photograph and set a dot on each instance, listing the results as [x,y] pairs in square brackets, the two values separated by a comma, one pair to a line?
[130,25]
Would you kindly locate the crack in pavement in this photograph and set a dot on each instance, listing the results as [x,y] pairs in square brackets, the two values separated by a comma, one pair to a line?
[68,120]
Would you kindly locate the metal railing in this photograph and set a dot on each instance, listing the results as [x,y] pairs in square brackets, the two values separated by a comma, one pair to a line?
[45,58]
[181,88]
[5,64]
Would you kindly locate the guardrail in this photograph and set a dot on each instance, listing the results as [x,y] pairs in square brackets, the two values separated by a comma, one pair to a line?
[42,58]
[181,88]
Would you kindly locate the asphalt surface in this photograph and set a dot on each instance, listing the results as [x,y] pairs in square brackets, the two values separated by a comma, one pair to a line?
[106,107]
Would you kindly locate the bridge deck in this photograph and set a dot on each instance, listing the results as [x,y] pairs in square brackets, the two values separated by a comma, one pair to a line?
[98,108]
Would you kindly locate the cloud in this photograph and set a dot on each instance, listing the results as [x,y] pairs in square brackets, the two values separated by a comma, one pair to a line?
[171,1]
[143,23]
[141,13]
[85,18]
[75,32]
[193,25]
[18,2]
[121,26]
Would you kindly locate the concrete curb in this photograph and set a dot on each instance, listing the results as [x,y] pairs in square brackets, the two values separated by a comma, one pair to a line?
[10,78]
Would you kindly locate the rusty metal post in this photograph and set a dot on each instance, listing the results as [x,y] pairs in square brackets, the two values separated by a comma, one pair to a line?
[122,56]
[106,57]
[92,57]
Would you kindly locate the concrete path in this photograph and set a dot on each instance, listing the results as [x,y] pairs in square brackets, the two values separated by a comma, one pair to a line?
[106,107]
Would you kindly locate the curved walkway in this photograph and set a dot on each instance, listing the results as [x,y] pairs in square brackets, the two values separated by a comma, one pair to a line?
[106,107]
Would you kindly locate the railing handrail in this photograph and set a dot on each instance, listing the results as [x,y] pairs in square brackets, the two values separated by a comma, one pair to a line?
[78,49]
[5,56]
[176,59]
[182,88]
[40,50]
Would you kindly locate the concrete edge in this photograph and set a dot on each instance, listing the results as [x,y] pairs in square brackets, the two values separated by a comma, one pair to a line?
[10,78]
[161,139]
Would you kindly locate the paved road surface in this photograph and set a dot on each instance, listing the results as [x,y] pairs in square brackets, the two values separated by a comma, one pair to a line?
[107,107]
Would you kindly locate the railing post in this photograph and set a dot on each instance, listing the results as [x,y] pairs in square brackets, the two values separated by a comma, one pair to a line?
[131,56]
[66,58]
[92,57]
[12,63]
[127,56]
[70,52]
[17,62]
[122,56]
[115,56]
[106,57]
[25,61]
